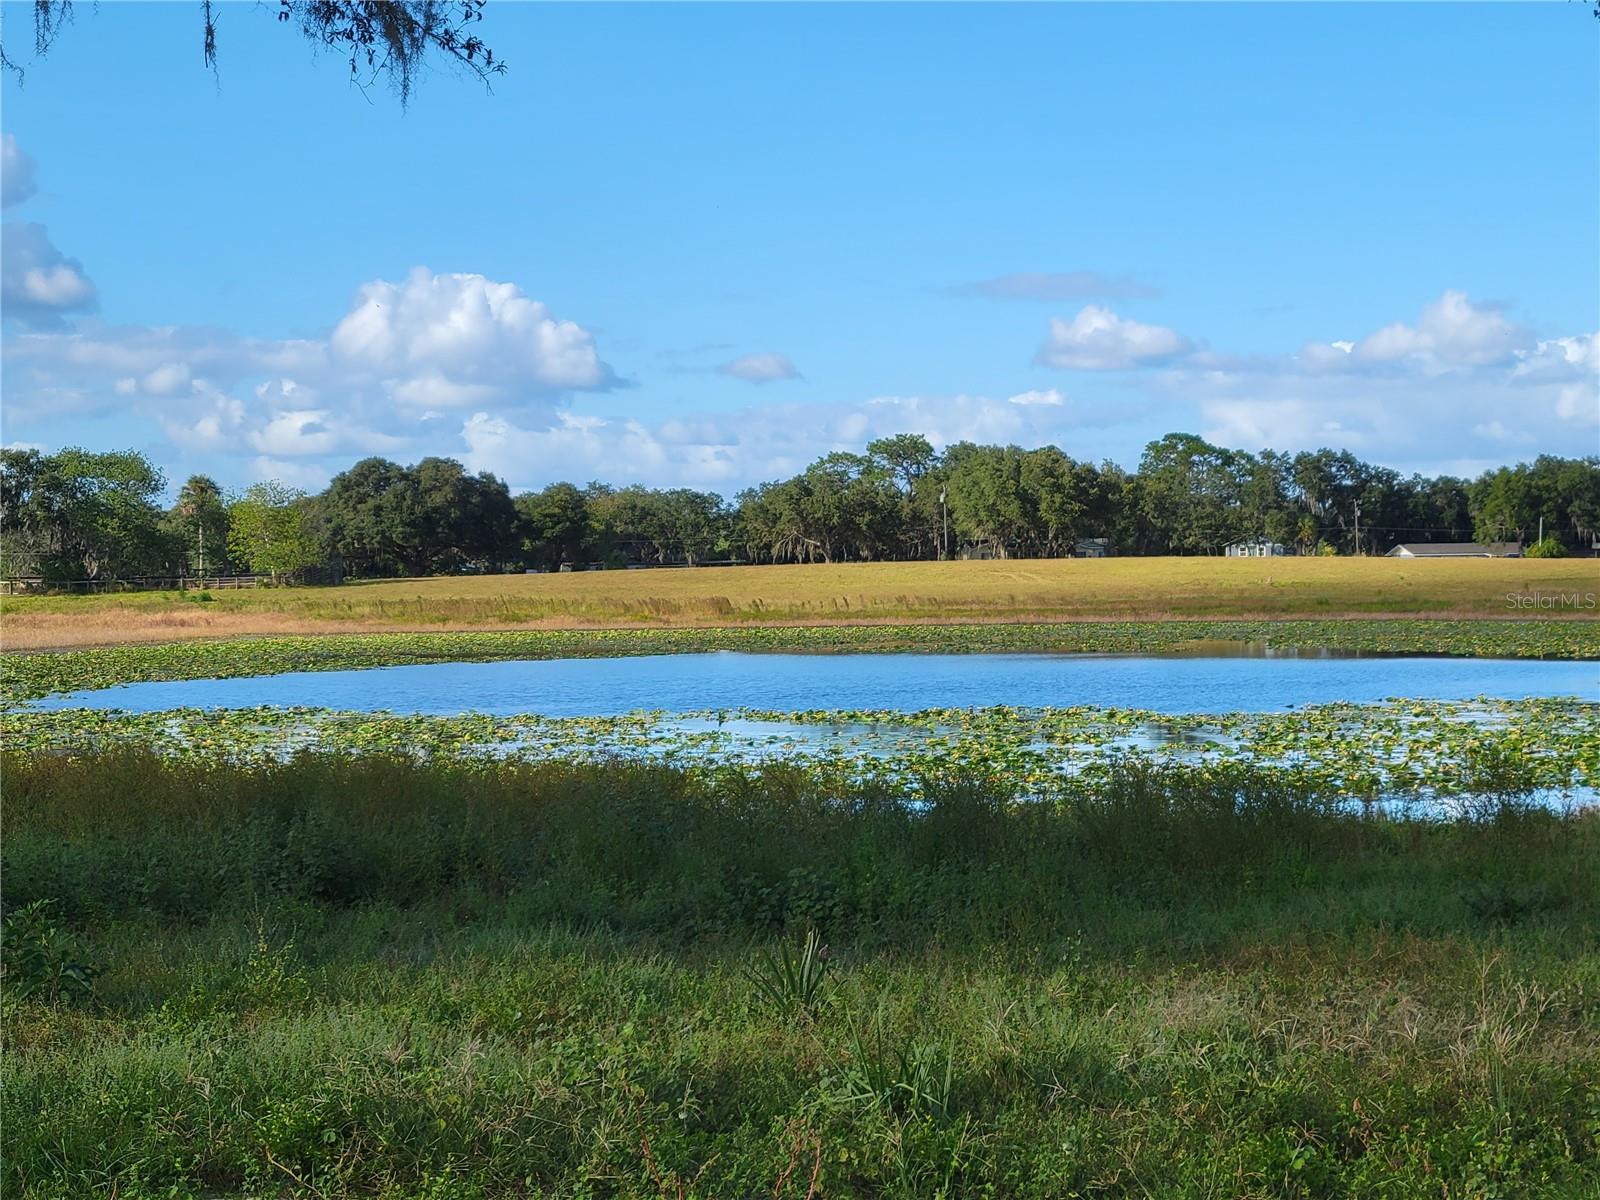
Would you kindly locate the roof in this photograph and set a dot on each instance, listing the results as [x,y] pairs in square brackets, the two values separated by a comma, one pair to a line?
[1457,549]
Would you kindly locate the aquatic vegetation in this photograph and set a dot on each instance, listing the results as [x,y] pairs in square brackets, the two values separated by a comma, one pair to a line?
[1399,750]
[25,676]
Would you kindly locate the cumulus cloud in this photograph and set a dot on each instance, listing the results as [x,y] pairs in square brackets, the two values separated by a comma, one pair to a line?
[16,173]
[39,286]
[296,433]
[466,331]
[1461,384]
[1097,339]
[404,354]
[1452,332]
[1564,358]
[212,430]
[1058,286]
[760,368]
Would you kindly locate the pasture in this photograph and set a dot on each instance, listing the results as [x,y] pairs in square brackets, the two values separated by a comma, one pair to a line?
[990,591]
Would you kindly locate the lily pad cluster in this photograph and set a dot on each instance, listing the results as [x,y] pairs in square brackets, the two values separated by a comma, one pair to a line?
[1399,751]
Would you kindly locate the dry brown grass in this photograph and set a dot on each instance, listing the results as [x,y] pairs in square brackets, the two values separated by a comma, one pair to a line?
[1055,589]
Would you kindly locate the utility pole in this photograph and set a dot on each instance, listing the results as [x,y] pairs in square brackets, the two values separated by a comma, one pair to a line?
[1358,528]
[944,539]
[202,553]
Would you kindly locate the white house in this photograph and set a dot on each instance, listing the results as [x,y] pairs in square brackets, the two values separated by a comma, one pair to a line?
[1255,548]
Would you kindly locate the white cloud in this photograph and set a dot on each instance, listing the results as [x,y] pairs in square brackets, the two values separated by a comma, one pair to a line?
[211,431]
[1561,358]
[309,477]
[300,433]
[727,451]
[433,391]
[402,355]
[39,285]
[1579,404]
[1451,333]
[1461,385]
[1497,431]
[465,330]
[760,368]
[166,380]
[1058,285]
[1097,339]
[1049,397]
[16,173]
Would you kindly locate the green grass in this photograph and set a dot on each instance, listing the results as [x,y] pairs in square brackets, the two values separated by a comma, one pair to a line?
[29,675]
[332,976]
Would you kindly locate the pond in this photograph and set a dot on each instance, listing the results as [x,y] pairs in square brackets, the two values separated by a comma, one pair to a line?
[1181,683]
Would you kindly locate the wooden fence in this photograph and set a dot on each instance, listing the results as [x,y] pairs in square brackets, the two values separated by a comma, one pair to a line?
[25,585]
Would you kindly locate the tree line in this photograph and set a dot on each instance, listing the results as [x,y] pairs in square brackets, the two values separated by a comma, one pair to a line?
[80,515]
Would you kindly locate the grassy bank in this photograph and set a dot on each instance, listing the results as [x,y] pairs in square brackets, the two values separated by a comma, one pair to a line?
[1052,589]
[334,977]
[27,675]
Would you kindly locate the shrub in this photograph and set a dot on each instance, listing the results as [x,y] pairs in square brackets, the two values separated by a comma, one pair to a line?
[41,960]
[1546,547]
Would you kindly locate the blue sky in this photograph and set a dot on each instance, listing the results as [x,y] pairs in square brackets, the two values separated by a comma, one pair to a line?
[701,245]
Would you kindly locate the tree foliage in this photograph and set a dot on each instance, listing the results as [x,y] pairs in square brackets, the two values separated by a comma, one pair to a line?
[82,515]
[268,531]
[77,515]
[379,518]
[391,40]
[198,523]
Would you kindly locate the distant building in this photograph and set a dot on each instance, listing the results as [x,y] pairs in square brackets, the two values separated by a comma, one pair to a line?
[1092,548]
[1255,548]
[1456,550]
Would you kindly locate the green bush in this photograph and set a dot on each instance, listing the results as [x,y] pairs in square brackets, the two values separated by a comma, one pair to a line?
[1546,547]
[42,960]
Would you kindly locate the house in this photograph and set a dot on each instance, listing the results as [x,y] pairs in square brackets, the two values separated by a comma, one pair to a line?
[1098,547]
[1456,550]
[1255,548]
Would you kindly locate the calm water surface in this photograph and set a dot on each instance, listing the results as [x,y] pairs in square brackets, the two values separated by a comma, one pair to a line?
[900,682]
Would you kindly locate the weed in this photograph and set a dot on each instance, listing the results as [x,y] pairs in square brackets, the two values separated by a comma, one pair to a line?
[794,982]
[903,1076]
[41,959]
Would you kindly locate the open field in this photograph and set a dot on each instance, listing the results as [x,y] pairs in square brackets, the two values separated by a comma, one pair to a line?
[1048,589]
[397,979]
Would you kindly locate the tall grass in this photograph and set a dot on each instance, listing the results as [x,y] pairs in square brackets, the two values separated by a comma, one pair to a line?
[1046,589]
[329,977]
[678,853]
